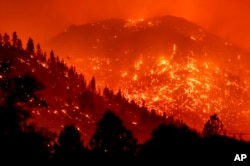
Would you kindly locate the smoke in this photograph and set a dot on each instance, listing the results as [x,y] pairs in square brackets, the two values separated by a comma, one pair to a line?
[42,19]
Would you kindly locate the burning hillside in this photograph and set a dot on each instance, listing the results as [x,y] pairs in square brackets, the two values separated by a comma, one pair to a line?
[166,64]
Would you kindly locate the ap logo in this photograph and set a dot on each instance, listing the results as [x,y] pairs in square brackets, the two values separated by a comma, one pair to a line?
[240,157]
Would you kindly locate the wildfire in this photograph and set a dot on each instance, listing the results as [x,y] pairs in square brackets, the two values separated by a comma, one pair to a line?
[180,89]
[189,89]
[134,22]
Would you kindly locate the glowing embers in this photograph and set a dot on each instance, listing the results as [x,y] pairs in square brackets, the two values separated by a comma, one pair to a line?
[138,64]
[135,77]
[163,61]
[195,87]
[124,74]
[133,22]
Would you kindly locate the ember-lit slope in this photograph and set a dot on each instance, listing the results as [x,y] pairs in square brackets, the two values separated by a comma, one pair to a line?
[69,98]
[109,48]
[167,64]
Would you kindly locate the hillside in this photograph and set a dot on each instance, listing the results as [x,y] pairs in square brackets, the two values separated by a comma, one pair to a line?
[167,64]
[69,98]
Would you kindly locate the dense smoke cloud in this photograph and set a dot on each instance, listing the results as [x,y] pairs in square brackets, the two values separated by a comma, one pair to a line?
[44,19]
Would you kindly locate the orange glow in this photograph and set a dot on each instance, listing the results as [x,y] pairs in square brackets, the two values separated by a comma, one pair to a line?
[42,20]
[184,89]
[193,88]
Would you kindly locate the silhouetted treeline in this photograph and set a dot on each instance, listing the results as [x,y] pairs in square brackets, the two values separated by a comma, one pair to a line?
[68,91]
[172,142]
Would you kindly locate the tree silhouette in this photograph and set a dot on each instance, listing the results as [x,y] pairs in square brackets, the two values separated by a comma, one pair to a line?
[19,44]
[92,85]
[170,143]
[108,94]
[70,145]
[18,140]
[6,39]
[38,49]
[175,145]
[112,140]
[22,89]
[213,126]
[14,39]
[30,46]
[18,96]
[52,57]
[71,73]
[44,56]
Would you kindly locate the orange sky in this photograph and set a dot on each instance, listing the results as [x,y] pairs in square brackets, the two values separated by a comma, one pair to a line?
[42,19]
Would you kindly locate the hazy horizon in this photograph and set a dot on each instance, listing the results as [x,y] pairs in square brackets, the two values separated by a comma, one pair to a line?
[43,20]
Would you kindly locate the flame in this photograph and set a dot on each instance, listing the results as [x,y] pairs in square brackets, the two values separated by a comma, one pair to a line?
[134,22]
[200,88]
[124,74]
[191,90]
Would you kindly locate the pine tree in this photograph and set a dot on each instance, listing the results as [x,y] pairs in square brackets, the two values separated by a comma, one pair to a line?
[52,57]
[213,126]
[6,39]
[92,85]
[70,145]
[30,46]
[19,44]
[38,49]
[14,39]
[112,140]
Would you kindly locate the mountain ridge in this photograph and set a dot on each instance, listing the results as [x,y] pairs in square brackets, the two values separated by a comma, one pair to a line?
[129,39]
[145,56]
[160,68]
